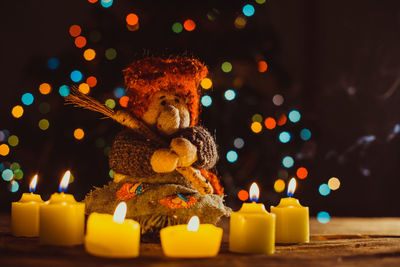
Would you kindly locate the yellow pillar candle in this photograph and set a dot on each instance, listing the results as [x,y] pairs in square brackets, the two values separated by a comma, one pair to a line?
[112,236]
[252,228]
[193,240]
[62,219]
[25,213]
[292,219]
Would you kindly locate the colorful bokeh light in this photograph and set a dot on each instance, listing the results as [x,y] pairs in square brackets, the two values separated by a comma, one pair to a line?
[106,3]
[230,94]
[262,66]
[281,120]
[277,100]
[44,124]
[110,103]
[206,83]
[323,217]
[45,88]
[13,140]
[53,63]
[76,76]
[305,134]
[302,173]
[80,41]
[4,150]
[89,54]
[7,175]
[240,22]
[206,100]
[257,118]
[177,27]
[111,53]
[132,19]
[256,127]
[64,90]
[248,10]
[334,183]
[270,123]
[17,111]
[288,162]
[124,101]
[324,189]
[226,66]
[27,99]
[238,143]
[75,30]
[279,185]
[79,133]
[294,116]
[119,92]
[189,25]
[84,88]
[284,137]
[231,156]
[91,81]
[243,195]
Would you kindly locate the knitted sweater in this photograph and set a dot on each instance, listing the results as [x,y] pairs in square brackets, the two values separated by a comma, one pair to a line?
[155,199]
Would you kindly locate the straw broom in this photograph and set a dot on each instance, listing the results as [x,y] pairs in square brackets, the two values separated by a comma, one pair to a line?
[78,99]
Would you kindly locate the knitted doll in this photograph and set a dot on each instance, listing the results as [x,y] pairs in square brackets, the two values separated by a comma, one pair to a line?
[162,162]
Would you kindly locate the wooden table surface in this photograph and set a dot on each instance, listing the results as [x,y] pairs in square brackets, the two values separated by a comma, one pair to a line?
[341,242]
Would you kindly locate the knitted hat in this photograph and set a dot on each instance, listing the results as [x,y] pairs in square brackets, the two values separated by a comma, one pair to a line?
[179,75]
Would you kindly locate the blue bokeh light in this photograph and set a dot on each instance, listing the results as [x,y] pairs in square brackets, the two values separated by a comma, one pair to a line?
[323,217]
[106,3]
[305,134]
[53,63]
[7,175]
[230,94]
[119,92]
[76,76]
[64,90]
[294,116]
[231,156]
[288,162]
[27,99]
[284,137]
[324,189]
[206,100]
[14,186]
[248,10]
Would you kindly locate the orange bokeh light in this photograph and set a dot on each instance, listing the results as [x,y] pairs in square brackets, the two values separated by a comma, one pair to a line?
[123,101]
[189,25]
[80,41]
[243,195]
[91,81]
[75,30]
[262,66]
[132,19]
[282,120]
[92,1]
[45,88]
[302,173]
[89,54]
[270,123]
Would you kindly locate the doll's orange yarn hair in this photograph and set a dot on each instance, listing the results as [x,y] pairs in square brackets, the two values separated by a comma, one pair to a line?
[180,75]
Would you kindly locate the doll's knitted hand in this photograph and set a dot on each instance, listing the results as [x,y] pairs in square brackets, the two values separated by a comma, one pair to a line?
[164,160]
[186,151]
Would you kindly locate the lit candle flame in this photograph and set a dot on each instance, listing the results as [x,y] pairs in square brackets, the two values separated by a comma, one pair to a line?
[291,187]
[32,185]
[64,182]
[254,192]
[120,213]
[193,224]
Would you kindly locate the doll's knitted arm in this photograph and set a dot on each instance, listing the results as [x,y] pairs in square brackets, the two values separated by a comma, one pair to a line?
[207,154]
[131,153]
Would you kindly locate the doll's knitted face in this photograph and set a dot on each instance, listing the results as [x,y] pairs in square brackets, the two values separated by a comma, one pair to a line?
[168,112]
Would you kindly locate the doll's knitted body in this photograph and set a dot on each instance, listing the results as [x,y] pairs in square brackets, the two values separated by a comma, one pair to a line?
[163,198]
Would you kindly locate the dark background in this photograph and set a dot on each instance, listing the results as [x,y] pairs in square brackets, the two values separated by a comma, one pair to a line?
[337,62]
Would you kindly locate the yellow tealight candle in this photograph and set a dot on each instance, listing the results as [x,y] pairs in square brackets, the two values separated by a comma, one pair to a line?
[252,228]
[112,236]
[25,213]
[193,240]
[62,219]
[292,219]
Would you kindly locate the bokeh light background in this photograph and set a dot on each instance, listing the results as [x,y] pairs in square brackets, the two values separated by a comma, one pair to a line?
[293,91]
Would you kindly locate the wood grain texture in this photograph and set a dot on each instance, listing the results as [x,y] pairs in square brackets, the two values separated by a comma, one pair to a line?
[342,242]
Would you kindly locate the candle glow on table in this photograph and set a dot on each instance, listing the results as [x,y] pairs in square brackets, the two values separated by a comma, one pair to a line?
[252,228]
[62,218]
[25,213]
[292,219]
[112,236]
[193,240]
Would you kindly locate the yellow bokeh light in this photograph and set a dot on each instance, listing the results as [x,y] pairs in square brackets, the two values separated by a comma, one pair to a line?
[84,88]
[44,124]
[79,134]
[89,54]
[45,88]
[240,22]
[17,111]
[206,83]
[4,149]
[334,183]
[279,185]
[256,127]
